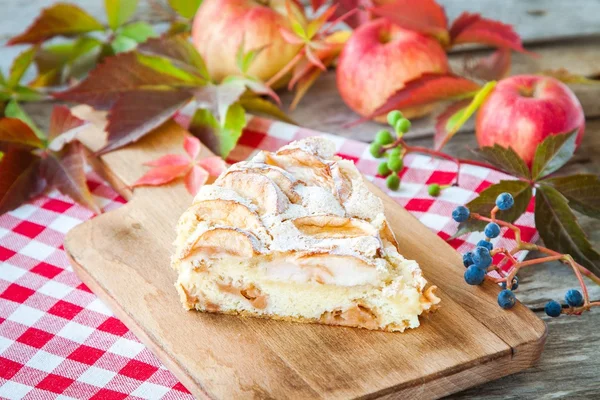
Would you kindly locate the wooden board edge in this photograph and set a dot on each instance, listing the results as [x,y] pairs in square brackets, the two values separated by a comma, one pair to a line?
[172,365]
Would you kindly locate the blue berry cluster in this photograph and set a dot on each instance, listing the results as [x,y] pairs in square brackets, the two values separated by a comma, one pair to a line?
[573,298]
[478,261]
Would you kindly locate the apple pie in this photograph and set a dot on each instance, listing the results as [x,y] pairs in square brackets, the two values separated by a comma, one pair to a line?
[296,235]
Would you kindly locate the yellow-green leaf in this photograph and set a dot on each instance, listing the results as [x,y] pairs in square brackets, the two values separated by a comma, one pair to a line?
[185,8]
[20,66]
[14,110]
[255,104]
[138,31]
[220,139]
[121,44]
[119,11]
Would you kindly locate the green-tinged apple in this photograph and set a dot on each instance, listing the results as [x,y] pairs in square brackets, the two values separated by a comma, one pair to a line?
[525,109]
[379,58]
[221,26]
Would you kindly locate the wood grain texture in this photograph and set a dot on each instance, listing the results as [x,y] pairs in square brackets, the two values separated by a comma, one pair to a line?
[124,257]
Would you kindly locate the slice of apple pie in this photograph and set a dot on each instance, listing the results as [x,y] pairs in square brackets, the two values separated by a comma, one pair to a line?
[297,235]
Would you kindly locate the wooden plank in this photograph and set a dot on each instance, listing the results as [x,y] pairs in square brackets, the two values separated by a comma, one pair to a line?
[123,256]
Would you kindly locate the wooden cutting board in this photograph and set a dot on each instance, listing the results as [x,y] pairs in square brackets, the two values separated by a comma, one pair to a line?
[123,256]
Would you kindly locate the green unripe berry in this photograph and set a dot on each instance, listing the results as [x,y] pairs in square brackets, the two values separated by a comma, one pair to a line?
[393,117]
[393,182]
[384,137]
[383,169]
[375,150]
[395,164]
[402,125]
[434,190]
[395,152]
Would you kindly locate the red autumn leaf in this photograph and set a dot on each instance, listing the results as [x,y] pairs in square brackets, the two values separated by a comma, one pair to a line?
[60,19]
[192,146]
[19,178]
[213,165]
[169,159]
[473,28]
[442,135]
[15,132]
[194,179]
[123,73]
[361,8]
[163,174]
[491,68]
[136,113]
[425,16]
[64,171]
[426,89]
[63,127]
[316,4]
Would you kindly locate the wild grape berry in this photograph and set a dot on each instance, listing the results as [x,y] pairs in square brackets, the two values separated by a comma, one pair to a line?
[402,125]
[383,169]
[395,152]
[393,117]
[434,189]
[574,298]
[375,150]
[468,259]
[482,257]
[460,214]
[492,230]
[486,244]
[506,299]
[384,137]
[474,275]
[504,201]
[393,182]
[395,164]
[515,284]
[553,308]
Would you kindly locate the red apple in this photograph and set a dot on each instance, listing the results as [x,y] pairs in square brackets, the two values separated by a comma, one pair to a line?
[220,26]
[525,109]
[379,58]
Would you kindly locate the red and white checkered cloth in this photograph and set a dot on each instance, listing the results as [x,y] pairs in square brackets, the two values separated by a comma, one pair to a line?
[58,340]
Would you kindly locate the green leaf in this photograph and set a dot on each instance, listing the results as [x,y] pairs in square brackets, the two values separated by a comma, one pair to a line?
[119,11]
[506,159]
[559,229]
[20,66]
[166,67]
[61,19]
[2,79]
[185,8]
[582,191]
[13,110]
[255,104]
[521,192]
[220,139]
[23,94]
[122,44]
[138,31]
[178,49]
[244,60]
[20,179]
[553,153]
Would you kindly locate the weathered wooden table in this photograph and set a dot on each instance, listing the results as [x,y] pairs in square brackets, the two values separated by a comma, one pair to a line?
[565,35]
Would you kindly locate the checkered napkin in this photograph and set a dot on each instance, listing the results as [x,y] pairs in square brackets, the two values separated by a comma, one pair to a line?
[58,340]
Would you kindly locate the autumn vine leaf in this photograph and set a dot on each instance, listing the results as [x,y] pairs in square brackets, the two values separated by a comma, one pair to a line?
[32,164]
[320,47]
[457,114]
[195,172]
[493,67]
[426,89]
[555,197]
[11,86]
[89,40]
